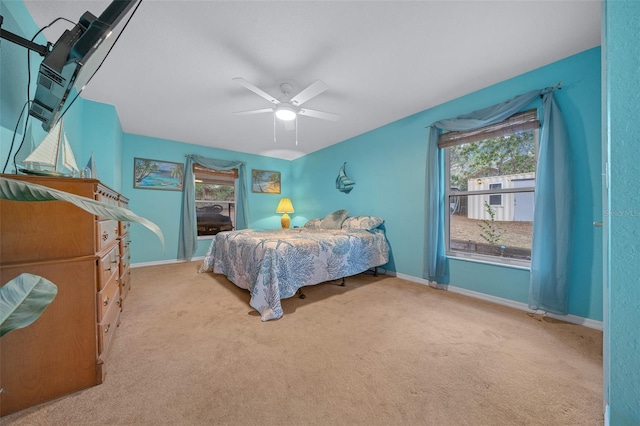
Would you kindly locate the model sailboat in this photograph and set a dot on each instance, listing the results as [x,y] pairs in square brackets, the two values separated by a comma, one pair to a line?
[52,156]
[90,171]
[343,183]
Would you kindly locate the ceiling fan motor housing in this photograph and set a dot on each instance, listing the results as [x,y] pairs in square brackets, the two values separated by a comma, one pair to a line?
[286,89]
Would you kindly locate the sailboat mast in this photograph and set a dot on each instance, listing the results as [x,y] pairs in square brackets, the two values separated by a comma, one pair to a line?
[55,166]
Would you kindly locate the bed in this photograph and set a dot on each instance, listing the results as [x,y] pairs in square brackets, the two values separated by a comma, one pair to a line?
[275,264]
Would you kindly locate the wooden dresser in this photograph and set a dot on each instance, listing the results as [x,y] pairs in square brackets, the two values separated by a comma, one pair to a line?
[87,257]
[123,244]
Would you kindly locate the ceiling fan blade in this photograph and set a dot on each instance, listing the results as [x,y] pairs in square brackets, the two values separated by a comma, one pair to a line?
[253,111]
[319,114]
[258,91]
[311,91]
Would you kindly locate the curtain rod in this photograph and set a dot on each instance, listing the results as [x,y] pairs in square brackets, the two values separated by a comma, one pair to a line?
[551,89]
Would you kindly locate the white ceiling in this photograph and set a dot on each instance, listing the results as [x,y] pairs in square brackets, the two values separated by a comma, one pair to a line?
[170,74]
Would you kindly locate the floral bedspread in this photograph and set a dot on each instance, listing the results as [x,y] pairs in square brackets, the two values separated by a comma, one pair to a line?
[274,264]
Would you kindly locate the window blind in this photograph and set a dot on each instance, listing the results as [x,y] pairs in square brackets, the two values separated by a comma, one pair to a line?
[520,122]
[217,177]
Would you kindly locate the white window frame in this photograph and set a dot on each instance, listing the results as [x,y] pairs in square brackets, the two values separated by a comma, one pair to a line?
[499,204]
[530,122]
[210,176]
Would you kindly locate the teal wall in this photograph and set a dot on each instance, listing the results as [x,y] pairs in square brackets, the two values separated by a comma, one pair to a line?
[102,136]
[13,63]
[388,165]
[622,338]
[164,207]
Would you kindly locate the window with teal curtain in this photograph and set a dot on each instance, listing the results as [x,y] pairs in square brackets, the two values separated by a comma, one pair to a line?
[553,211]
[435,264]
[188,240]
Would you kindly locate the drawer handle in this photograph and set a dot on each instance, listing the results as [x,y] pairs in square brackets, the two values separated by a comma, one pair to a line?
[106,329]
[105,236]
[106,301]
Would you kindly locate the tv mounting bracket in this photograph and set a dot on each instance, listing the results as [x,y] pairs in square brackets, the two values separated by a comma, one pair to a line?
[14,38]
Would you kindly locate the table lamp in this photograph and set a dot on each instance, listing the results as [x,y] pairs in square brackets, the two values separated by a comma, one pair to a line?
[285,207]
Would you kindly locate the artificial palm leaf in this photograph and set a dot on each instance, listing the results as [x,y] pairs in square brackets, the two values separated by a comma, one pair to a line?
[17,190]
[23,299]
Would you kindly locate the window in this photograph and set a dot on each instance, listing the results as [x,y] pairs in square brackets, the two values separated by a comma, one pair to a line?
[215,200]
[495,199]
[490,181]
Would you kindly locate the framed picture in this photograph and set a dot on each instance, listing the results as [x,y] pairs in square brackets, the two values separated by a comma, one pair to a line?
[265,181]
[155,174]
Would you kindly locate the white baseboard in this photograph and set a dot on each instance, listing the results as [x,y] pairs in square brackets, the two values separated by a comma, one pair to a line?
[573,319]
[163,262]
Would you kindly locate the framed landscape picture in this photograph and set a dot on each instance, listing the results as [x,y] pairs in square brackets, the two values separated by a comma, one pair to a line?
[265,181]
[155,174]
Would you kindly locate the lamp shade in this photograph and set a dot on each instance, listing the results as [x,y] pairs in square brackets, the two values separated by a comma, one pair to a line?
[285,206]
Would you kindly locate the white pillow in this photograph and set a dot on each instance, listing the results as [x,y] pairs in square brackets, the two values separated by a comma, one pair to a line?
[334,220]
[362,222]
[313,224]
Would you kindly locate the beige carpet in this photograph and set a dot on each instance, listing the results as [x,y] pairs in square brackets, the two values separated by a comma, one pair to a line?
[380,351]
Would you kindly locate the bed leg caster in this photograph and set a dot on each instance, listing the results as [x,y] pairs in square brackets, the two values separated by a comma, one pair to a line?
[301,295]
[342,284]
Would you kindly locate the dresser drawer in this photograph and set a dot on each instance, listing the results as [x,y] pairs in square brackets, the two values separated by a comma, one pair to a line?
[124,227]
[125,242]
[107,233]
[108,295]
[125,259]
[107,329]
[108,268]
[125,283]
[106,196]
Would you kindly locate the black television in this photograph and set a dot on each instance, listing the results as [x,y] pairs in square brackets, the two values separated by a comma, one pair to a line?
[74,58]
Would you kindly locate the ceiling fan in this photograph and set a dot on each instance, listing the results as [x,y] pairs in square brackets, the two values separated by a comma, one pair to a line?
[289,110]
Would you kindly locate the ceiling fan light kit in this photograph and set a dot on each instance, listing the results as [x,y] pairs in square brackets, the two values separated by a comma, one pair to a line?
[289,109]
[286,113]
